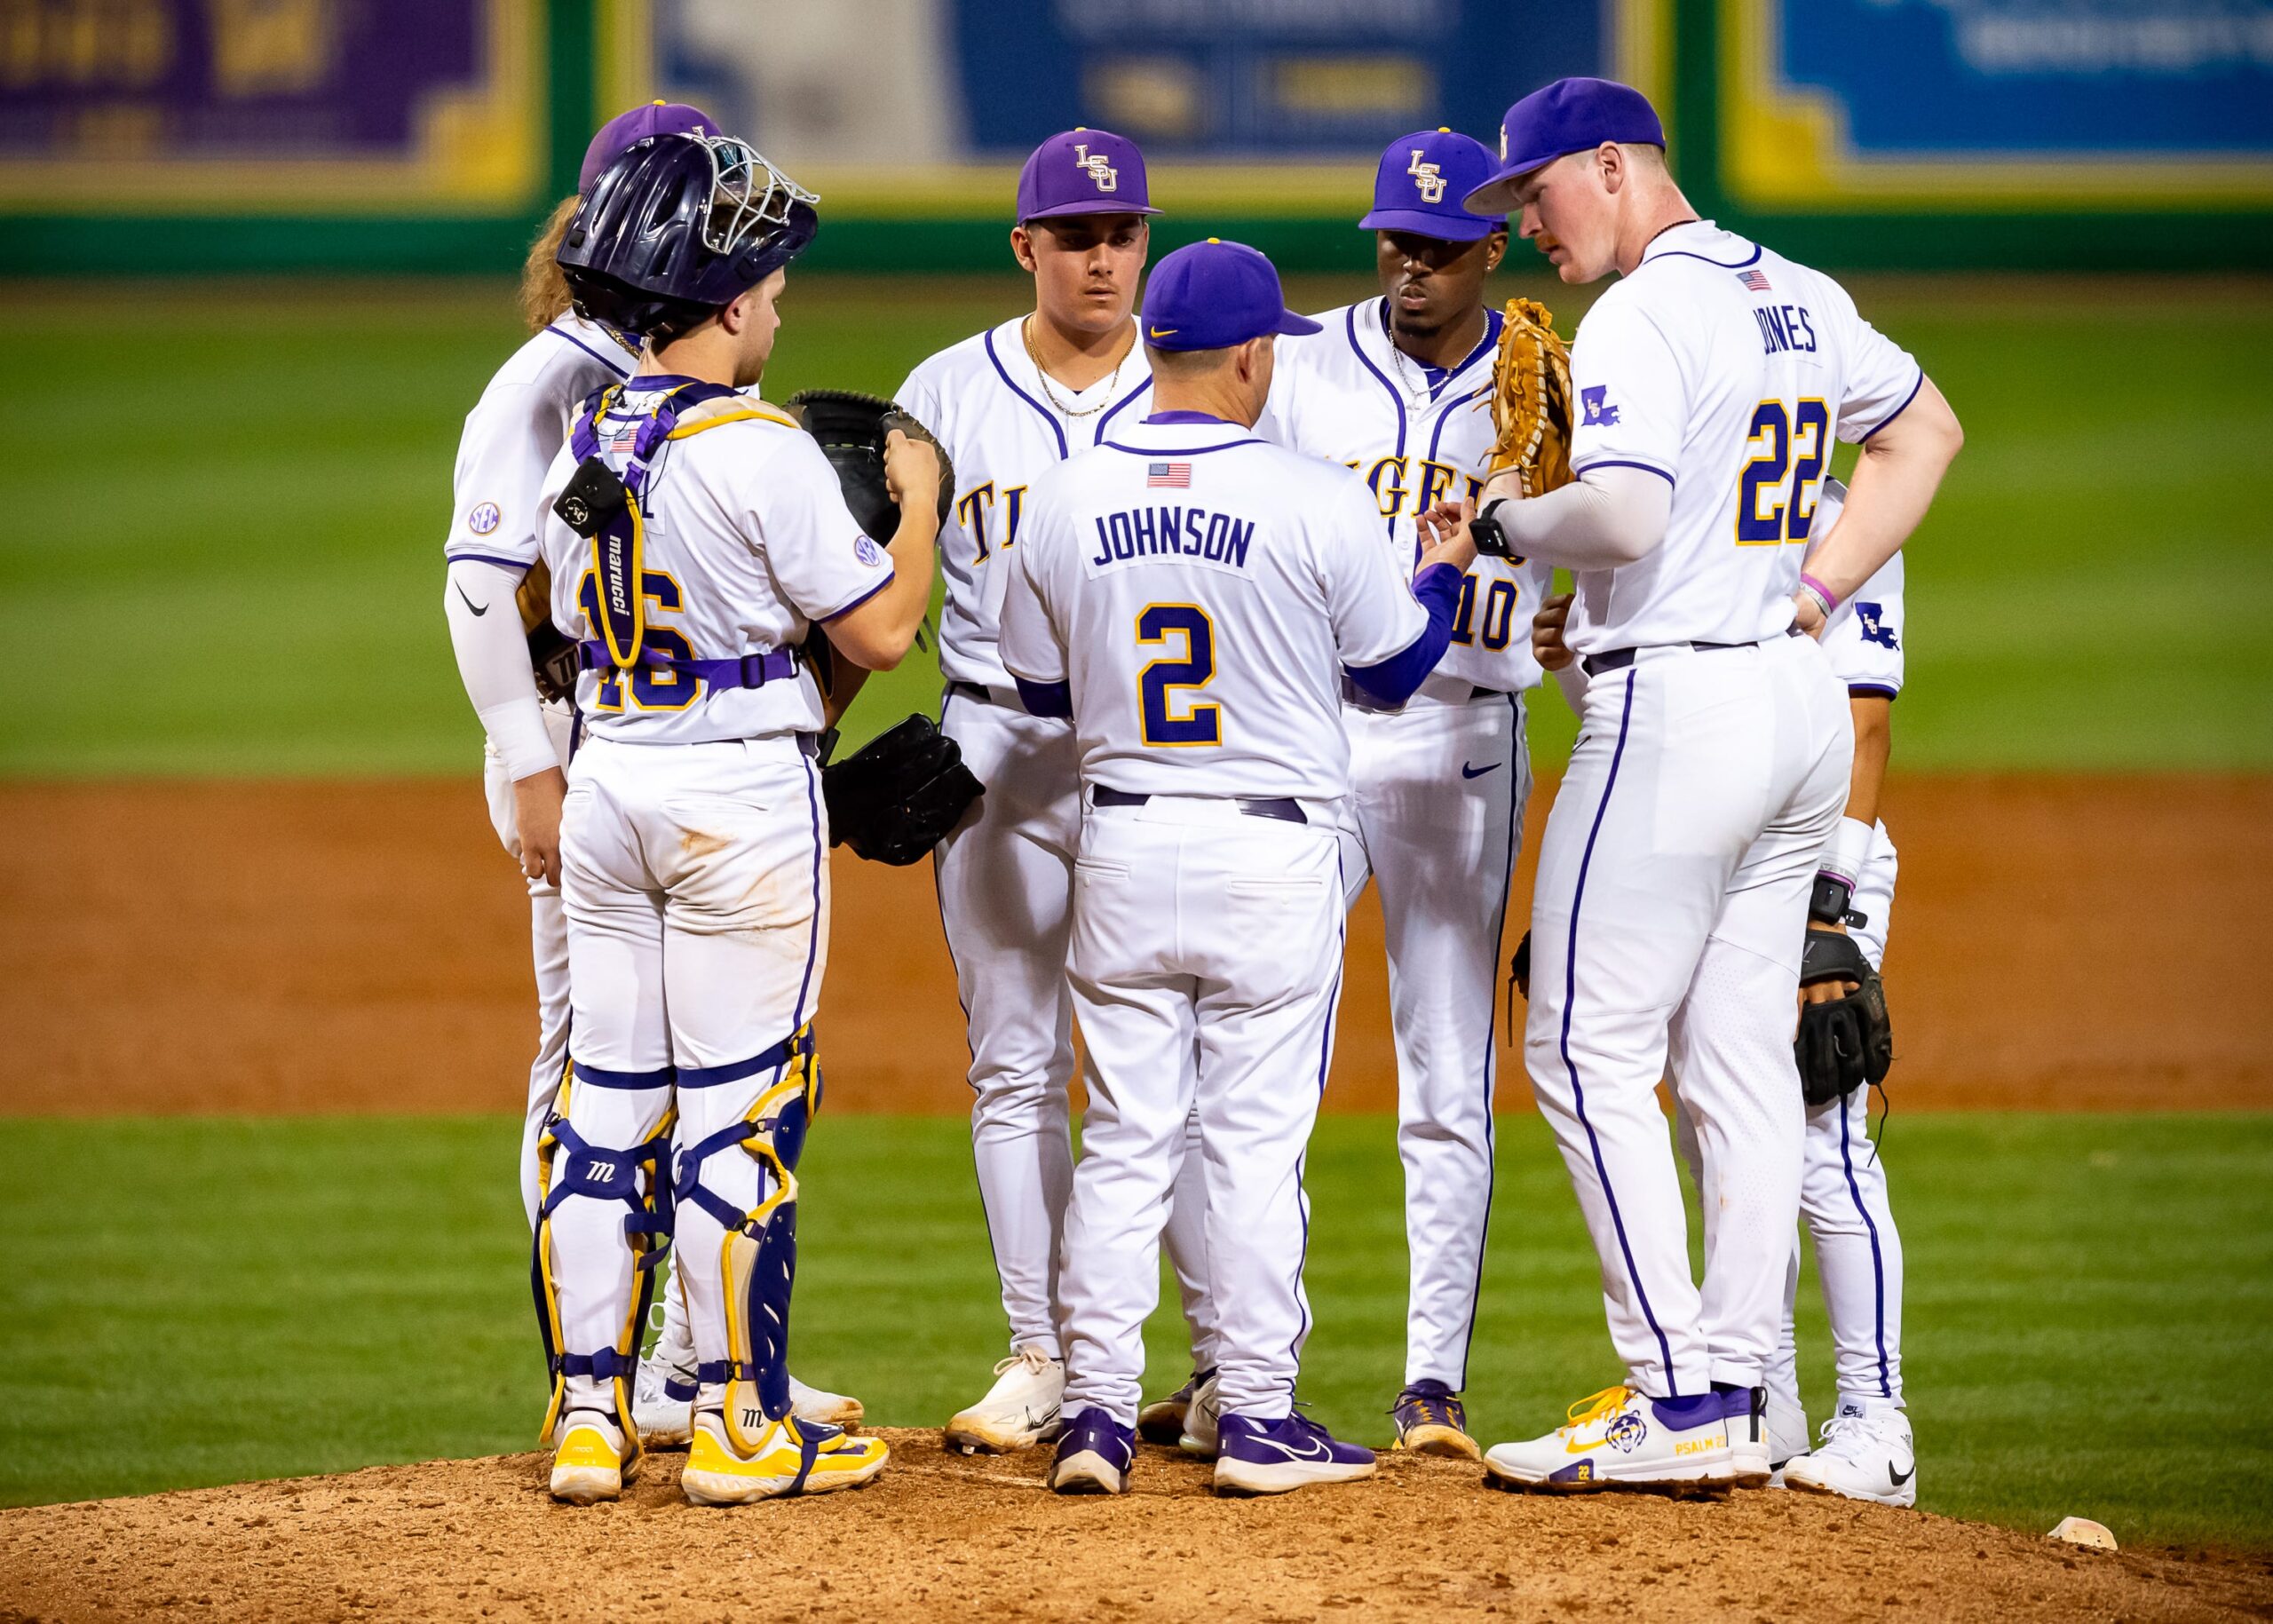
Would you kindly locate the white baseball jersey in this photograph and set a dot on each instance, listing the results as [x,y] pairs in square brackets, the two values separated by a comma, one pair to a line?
[1725,369]
[748,543]
[1864,637]
[1416,435]
[1001,422]
[1200,588]
[514,431]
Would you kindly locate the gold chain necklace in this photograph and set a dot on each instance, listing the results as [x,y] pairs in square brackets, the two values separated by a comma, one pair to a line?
[1026,336]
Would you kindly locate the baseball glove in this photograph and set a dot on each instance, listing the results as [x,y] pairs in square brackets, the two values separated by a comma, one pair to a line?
[552,656]
[898,795]
[1531,400]
[1847,1042]
[851,428]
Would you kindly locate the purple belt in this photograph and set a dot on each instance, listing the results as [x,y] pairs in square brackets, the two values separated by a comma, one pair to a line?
[749,671]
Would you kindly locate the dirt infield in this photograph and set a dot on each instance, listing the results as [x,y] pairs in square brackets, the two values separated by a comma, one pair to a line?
[228,947]
[943,1537]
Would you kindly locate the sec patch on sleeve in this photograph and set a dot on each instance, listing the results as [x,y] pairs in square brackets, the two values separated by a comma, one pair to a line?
[484,518]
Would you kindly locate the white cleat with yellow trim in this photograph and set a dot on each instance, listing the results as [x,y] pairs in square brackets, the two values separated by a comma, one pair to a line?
[593,1461]
[1624,1439]
[790,1457]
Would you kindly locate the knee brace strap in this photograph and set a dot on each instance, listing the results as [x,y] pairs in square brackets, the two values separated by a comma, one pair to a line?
[606,1364]
[606,1174]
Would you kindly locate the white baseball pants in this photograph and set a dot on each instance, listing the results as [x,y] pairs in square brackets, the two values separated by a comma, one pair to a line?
[696,885]
[1843,1202]
[1006,886]
[1199,930]
[1666,935]
[549,949]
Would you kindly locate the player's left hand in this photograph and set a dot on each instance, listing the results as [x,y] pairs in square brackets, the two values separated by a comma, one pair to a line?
[911,469]
[1825,992]
[536,822]
[1445,537]
[1546,645]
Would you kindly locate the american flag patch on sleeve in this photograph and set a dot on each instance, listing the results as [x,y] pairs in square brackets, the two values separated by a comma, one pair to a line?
[1167,476]
[1755,280]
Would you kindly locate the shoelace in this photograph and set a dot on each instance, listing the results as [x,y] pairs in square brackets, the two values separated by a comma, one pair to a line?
[1595,1406]
[1034,1358]
[1848,1436]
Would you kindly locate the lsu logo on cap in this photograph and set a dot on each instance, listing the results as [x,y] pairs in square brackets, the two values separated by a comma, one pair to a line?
[1101,174]
[1427,179]
[484,518]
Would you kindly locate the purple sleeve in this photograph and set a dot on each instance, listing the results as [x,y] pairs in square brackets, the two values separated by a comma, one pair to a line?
[1395,679]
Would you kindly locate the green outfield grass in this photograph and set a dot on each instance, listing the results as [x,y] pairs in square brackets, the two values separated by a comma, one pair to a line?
[206,1300]
[224,556]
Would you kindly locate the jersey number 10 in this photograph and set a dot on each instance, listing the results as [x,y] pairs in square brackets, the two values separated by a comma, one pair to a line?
[1794,443]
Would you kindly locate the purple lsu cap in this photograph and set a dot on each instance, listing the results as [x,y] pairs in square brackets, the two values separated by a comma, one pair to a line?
[1084,171]
[625,130]
[1212,294]
[1569,116]
[1422,180]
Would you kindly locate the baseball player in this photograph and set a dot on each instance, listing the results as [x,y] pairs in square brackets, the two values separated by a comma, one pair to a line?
[1189,595]
[1008,405]
[693,536]
[510,437]
[1867,1453]
[1712,760]
[1399,388]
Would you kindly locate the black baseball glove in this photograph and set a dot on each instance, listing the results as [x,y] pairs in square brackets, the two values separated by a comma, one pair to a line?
[850,429]
[1847,1042]
[898,795]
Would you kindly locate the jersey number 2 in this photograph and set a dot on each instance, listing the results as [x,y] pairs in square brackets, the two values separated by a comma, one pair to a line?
[1796,443]
[1194,667]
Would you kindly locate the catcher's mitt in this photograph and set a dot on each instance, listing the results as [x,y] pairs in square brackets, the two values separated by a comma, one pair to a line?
[552,656]
[898,795]
[1847,1042]
[1531,400]
[851,428]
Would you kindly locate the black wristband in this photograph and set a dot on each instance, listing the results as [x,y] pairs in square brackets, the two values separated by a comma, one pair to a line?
[1828,906]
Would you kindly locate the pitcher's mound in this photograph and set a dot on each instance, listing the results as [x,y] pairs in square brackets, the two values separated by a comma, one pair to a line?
[956,1537]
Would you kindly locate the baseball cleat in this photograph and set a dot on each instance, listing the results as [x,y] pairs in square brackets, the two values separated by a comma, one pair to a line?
[791,1457]
[1431,1419]
[1787,1436]
[1621,1439]
[1270,1457]
[593,1462]
[1094,1455]
[1020,1411]
[1866,1454]
[1161,1421]
[662,1403]
[1201,1420]
[829,1409]
[1751,1451]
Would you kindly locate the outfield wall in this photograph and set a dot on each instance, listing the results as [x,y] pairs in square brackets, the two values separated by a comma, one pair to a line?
[187,135]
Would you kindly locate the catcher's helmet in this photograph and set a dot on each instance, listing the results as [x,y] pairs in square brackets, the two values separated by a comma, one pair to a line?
[678,225]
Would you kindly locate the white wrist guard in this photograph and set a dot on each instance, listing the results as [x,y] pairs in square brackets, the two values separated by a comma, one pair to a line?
[1839,872]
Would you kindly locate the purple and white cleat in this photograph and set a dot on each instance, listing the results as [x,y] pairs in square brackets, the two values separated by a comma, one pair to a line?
[1094,1455]
[1624,1439]
[1254,1456]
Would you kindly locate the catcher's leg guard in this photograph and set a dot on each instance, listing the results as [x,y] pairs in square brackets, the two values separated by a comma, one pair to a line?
[571,1169]
[758,1252]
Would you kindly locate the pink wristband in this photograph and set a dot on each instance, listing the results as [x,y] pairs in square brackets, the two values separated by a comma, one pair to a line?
[1824,595]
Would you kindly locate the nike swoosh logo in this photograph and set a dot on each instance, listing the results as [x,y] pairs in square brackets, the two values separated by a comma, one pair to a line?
[1161,332]
[477,608]
[1900,1478]
[1313,1450]
[1466,770]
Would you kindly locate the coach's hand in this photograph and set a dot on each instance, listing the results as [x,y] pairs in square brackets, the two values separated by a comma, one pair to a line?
[536,822]
[1546,645]
[1445,537]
